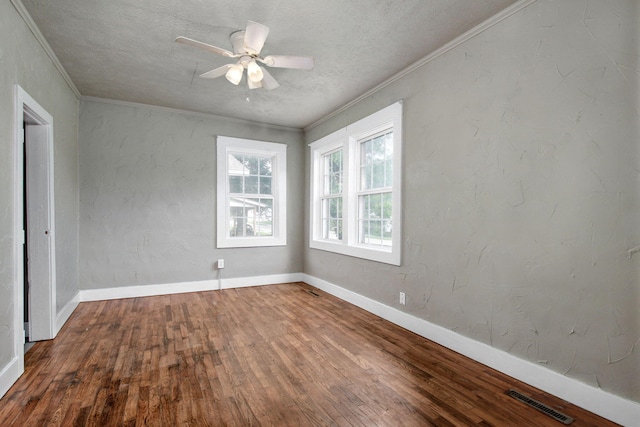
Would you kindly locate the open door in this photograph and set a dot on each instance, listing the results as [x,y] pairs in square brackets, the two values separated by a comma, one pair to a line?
[39,234]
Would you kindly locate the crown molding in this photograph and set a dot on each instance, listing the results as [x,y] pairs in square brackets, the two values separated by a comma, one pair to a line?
[475,31]
[22,11]
[190,113]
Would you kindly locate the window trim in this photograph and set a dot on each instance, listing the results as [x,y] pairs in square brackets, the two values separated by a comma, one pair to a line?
[347,138]
[227,145]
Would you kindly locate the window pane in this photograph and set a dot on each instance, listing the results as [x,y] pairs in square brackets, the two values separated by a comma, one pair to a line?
[374,218]
[365,177]
[336,162]
[252,207]
[378,175]
[376,162]
[235,184]
[326,221]
[264,220]
[367,156]
[375,206]
[334,231]
[252,164]
[333,173]
[365,232]
[251,185]
[387,228]
[335,207]
[387,204]
[266,166]
[332,218]
[265,185]
[389,145]
[335,186]
[371,232]
[251,217]
[378,148]
[236,165]
[365,208]
[237,218]
[375,232]
[388,181]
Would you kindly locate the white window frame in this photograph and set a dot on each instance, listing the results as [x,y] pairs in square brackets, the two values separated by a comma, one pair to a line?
[348,139]
[228,145]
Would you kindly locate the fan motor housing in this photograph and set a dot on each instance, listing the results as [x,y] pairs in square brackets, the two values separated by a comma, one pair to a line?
[237,41]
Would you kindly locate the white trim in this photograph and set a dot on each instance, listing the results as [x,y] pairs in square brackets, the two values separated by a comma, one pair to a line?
[22,11]
[11,373]
[17,363]
[66,312]
[607,405]
[226,119]
[244,282]
[475,31]
[185,287]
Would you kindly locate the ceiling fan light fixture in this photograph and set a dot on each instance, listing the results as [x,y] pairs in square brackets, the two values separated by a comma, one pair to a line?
[234,75]
[253,85]
[254,72]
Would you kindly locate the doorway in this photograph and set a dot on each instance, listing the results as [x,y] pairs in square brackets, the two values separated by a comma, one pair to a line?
[35,221]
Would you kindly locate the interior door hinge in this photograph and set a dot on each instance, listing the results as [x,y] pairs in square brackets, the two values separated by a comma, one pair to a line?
[22,135]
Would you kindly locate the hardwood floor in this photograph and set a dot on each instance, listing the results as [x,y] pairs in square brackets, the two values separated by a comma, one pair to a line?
[272,355]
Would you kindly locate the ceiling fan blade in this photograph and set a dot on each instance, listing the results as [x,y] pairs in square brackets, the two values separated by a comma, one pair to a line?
[218,72]
[268,82]
[286,61]
[190,42]
[254,37]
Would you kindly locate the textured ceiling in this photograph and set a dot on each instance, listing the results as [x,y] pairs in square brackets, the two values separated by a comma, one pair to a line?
[125,49]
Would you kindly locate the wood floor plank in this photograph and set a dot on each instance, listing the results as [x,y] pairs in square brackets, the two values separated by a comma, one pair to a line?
[272,355]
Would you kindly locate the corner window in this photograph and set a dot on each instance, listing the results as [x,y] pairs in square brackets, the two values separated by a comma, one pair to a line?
[251,193]
[355,188]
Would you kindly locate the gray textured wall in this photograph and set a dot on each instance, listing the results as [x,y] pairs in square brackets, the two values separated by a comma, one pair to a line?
[148,198]
[23,61]
[521,189]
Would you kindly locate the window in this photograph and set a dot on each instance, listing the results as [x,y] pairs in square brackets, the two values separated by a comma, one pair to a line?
[251,193]
[355,188]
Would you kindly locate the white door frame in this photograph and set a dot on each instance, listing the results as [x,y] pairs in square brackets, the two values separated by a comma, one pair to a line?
[44,312]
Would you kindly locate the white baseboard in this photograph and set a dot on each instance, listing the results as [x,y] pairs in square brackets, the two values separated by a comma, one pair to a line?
[10,374]
[607,405]
[66,312]
[243,282]
[183,287]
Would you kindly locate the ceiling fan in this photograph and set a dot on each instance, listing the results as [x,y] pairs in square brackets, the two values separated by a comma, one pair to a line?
[247,45]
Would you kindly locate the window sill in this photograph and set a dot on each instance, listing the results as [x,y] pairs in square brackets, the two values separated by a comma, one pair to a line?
[383,255]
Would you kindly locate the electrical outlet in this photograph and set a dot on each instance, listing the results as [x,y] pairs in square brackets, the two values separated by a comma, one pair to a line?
[220,263]
[403,298]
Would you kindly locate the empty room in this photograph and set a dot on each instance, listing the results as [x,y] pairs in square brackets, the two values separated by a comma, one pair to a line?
[352,213]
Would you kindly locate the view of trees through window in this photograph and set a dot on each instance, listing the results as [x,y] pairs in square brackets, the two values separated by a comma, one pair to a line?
[332,200]
[251,196]
[375,200]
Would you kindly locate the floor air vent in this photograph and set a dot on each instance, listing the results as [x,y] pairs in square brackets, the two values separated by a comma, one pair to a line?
[559,416]
[310,292]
